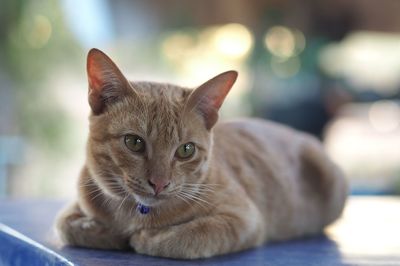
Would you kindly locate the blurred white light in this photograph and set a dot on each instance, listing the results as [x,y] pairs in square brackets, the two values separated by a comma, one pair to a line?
[369,60]
[198,55]
[384,116]
[300,41]
[353,235]
[177,45]
[284,42]
[370,158]
[233,40]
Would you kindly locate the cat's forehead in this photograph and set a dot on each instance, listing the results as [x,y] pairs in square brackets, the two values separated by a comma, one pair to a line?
[163,106]
[157,90]
[158,115]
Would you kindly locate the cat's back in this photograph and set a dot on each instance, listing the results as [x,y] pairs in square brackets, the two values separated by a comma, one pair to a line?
[279,166]
[261,135]
[260,151]
[265,149]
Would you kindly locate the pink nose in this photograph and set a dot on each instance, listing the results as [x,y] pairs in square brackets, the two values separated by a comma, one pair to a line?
[158,185]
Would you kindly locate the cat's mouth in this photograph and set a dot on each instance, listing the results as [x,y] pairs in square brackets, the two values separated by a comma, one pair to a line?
[144,197]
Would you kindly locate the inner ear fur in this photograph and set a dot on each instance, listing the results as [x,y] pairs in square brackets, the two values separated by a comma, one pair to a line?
[208,98]
[107,84]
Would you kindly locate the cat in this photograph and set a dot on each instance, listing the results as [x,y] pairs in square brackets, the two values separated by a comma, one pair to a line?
[163,178]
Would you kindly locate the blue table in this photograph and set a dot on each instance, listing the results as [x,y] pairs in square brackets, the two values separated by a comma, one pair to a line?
[368,234]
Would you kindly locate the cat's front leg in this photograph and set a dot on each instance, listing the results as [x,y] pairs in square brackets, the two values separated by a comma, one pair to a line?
[202,237]
[77,229]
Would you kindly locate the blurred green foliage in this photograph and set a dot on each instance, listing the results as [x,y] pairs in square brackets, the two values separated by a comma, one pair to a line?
[33,41]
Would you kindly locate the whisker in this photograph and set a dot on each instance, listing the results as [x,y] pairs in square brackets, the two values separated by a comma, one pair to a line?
[107,202]
[200,190]
[203,184]
[122,203]
[198,198]
[183,199]
[193,200]
[201,202]
[199,187]
[96,196]
[94,189]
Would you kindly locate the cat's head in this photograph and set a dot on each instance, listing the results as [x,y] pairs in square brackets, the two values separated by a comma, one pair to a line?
[150,140]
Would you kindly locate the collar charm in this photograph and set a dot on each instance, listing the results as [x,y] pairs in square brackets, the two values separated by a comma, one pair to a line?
[142,208]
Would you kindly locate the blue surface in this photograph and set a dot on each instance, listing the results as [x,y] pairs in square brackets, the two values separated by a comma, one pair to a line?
[17,249]
[34,219]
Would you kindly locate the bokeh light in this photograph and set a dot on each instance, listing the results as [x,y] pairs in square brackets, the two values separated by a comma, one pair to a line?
[384,116]
[39,31]
[178,45]
[284,42]
[365,146]
[366,59]
[233,40]
[357,236]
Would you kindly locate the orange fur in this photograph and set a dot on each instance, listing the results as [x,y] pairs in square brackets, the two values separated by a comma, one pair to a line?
[248,182]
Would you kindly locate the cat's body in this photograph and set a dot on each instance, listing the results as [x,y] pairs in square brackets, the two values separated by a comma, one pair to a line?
[248,181]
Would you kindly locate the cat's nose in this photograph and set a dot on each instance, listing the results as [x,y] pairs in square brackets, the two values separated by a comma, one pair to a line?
[158,185]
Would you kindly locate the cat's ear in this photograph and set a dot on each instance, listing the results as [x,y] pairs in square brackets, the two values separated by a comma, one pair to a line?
[106,82]
[208,98]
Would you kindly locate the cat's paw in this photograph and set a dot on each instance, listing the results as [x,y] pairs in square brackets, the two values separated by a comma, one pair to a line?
[76,229]
[87,224]
[163,243]
[147,241]
[79,230]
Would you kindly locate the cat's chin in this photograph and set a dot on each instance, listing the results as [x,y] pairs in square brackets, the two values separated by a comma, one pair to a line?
[148,201]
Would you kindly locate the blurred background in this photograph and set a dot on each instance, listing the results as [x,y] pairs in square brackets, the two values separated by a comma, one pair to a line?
[331,68]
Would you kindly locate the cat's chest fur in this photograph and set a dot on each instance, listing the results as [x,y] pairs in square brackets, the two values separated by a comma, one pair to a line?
[157,217]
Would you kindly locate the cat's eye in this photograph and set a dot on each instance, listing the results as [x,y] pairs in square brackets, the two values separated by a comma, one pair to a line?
[134,143]
[185,151]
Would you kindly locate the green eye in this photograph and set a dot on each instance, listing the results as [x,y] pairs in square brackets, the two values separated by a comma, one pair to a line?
[134,143]
[185,151]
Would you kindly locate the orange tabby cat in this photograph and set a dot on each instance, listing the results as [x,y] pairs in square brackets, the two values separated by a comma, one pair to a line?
[163,178]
